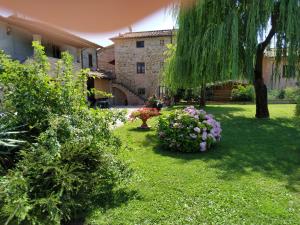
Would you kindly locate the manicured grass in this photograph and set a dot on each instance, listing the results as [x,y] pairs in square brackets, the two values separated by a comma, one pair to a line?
[251,177]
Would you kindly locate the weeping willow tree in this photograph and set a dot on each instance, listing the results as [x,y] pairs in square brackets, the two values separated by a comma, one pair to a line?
[218,40]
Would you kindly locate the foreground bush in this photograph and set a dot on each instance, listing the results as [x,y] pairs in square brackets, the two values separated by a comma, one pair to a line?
[188,130]
[243,93]
[72,168]
[70,162]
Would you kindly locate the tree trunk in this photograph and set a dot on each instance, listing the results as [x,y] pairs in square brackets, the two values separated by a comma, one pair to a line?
[262,110]
[202,96]
[261,93]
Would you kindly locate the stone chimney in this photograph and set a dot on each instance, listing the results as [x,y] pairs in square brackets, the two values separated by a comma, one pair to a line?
[130,29]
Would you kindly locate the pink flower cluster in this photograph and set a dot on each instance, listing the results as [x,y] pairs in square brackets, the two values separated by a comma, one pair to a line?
[209,130]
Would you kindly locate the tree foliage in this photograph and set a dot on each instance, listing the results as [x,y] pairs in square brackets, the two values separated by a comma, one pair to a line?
[70,162]
[218,39]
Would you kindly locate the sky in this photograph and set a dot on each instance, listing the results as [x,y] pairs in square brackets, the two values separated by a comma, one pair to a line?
[160,20]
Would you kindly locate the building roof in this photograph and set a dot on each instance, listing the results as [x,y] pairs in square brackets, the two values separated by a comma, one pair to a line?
[52,32]
[144,34]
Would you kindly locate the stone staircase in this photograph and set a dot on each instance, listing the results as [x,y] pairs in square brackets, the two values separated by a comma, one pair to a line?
[128,87]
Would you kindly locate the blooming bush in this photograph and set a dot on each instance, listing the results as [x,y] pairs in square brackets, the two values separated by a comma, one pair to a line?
[144,114]
[188,130]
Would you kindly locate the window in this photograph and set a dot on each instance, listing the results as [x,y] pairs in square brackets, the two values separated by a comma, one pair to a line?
[162,42]
[140,44]
[140,67]
[288,71]
[141,91]
[90,60]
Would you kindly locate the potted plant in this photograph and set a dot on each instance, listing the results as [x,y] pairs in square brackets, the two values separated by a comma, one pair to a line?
[154,102]
[144,114]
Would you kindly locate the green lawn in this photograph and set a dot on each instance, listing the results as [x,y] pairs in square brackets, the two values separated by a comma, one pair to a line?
[251,177]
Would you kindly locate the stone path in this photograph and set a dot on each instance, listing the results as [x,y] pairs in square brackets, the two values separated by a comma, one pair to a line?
[129,110]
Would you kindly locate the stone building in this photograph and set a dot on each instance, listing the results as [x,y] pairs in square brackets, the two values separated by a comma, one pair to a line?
[136,59]
[17,34]
[269,69]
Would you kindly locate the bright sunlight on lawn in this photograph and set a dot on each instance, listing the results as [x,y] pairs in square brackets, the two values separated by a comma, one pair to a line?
[250,177]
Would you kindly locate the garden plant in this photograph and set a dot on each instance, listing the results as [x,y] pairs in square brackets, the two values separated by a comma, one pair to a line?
[69,163]
[188,130]
[144,114]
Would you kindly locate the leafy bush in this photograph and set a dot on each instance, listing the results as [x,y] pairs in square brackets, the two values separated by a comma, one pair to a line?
[298,107]
[292,93]
[243,93]
[188,130]
[71,162]
[10,140]
[154,102]
[33,95]
[71,168]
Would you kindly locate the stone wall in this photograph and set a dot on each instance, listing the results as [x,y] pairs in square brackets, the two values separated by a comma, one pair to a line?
[272,82]
[127,55]
[105,58]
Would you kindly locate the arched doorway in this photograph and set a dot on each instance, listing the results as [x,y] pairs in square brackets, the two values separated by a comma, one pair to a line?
[120,97]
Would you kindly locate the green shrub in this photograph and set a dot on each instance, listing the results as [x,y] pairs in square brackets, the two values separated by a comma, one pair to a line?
[72,168]
[33,95]
[71,162]
[243,93]
[188,130]
[292,93]
[298,107]
[11,138]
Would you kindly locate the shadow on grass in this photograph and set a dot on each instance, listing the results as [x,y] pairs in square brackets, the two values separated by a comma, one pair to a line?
[270,147]
[119,197]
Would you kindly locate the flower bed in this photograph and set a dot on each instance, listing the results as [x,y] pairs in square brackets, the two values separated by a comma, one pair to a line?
[188,130]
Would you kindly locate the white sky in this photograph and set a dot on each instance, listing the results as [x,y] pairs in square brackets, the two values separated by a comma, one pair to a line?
[160,20]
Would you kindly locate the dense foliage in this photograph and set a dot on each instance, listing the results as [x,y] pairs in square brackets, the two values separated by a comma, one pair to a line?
[219,40]
[70,162]
[72,168]
[289,93]
[188,130]
[242,93]
[298,107]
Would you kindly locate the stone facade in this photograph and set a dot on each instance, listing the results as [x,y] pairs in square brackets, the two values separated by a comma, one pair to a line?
[278,82]
[123,57]
[127,55]
[106,59]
